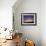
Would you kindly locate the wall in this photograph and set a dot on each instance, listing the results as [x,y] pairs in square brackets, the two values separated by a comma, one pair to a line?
[6,16]
[43,22]
[6,13]
[29,32]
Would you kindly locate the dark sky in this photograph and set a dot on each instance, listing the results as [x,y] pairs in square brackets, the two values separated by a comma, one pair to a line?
[28,17]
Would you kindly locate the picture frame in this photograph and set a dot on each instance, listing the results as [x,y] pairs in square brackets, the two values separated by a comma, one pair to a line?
[29,19]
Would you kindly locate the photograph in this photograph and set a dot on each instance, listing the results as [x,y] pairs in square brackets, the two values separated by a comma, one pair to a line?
[28,19]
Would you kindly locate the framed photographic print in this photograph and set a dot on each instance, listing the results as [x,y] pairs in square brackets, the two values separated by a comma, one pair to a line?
[28,18]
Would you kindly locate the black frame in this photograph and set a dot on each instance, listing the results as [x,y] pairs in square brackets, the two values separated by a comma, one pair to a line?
[30,14]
